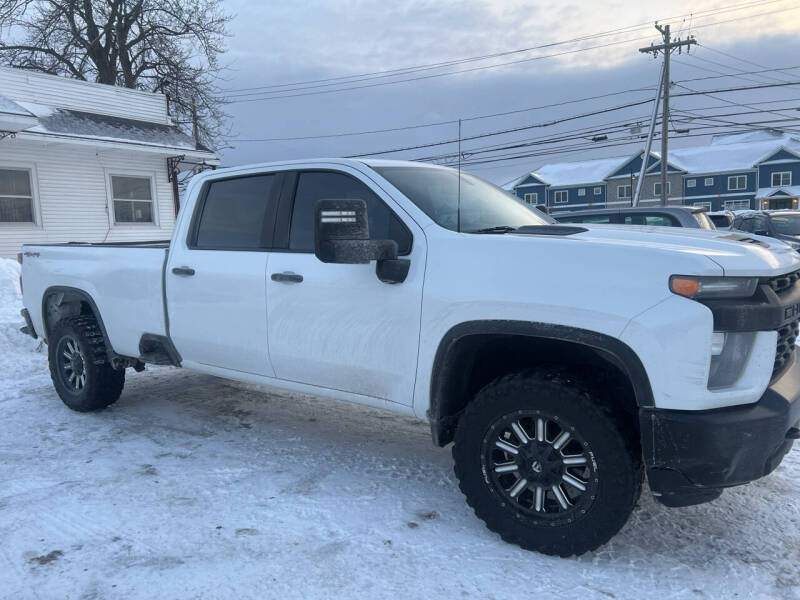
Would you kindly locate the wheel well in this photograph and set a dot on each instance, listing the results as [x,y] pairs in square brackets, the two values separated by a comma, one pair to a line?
[469,362]
[60,303]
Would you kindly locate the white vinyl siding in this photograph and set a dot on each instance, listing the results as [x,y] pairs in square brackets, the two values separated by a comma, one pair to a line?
[690,183]
[708,181]
[560,197]
[131,198]
[737,183]
[70,187]
[16,195]
[624,191]
[781,178]
[51,90]
[532,197]
[657,188]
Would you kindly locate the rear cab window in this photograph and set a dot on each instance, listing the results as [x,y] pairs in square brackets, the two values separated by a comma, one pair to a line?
[233,214]
[654,219]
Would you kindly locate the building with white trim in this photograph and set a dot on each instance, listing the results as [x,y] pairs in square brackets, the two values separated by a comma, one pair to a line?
[86,162]
[758,169]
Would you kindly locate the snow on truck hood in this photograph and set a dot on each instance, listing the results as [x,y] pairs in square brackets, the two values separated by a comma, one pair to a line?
[737,253]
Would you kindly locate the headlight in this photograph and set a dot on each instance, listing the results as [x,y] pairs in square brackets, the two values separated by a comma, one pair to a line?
[713,287]
[729,353]
[794,245]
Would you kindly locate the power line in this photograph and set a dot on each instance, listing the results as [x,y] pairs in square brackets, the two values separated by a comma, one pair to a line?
[405,70]
[278,93]
[451,121]
[573,117]
[504,113]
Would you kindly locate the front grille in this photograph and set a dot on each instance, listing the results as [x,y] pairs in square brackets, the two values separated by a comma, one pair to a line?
[783,283]
[787,336]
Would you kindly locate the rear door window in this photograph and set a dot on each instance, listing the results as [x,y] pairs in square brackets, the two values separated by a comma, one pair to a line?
[651,219]
[313,186]
[234,213]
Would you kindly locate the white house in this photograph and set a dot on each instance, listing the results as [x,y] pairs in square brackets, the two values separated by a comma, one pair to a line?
[87,162]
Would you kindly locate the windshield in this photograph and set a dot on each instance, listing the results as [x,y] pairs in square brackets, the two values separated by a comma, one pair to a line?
[703,220]
[483,205]
[786,224]
[720,220]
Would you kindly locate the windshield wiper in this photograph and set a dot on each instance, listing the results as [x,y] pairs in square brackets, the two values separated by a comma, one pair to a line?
[498,229]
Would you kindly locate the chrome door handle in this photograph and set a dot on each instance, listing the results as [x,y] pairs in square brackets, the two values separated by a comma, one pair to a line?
[286,277]
[185,271]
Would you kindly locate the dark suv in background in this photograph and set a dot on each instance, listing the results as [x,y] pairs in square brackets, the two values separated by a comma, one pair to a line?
[780,224]
[664,216]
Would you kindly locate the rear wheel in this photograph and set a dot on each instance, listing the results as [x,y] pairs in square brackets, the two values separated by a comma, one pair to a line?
[79,368]
[544,465]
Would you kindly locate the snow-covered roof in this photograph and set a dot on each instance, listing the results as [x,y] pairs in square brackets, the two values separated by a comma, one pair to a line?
[9,107]
[730,155]
[91,126]
[105,127]
[576,173]
[788,190]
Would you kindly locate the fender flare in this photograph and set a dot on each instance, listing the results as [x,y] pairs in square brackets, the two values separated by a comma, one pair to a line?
[606,347]
[84,297]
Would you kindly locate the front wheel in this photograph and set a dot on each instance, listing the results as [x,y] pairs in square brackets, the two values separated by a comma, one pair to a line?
[79,368]
[544,465]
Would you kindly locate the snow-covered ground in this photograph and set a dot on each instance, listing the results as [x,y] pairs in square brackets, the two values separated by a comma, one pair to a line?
[191,487]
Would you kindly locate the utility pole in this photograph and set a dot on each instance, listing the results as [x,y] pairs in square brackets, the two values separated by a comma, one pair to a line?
[666,49]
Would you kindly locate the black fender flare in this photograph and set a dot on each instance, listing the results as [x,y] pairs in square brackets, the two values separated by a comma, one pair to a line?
[607,347]
[83,297]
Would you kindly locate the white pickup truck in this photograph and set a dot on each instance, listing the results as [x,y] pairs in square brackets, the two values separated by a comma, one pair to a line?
[563,362]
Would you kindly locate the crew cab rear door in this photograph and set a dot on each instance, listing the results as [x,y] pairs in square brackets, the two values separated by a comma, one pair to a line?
[337,325]
[216,276]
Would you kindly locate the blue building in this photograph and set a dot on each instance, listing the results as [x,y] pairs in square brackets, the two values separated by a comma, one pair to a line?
[758,169]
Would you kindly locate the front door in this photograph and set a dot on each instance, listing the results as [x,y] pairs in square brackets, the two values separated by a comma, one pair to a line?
[216,278]
[337,326]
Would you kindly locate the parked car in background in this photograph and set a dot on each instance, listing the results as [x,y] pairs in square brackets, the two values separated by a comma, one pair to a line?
[783,225]
[665,216]
[722,219]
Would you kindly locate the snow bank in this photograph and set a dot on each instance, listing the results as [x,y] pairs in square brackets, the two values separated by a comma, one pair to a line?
[20,357]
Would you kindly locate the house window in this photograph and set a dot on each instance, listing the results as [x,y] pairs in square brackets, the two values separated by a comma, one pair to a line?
[708,181]
[737,182]
[781,178]
[598,191]
[624,191]
[581,191]
[736,204]
[706,204]
[560,197]
[132,198]
[691,183]
[657,188]
[16,196]
[532,198]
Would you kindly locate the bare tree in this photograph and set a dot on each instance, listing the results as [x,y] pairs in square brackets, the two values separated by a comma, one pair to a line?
[168,45]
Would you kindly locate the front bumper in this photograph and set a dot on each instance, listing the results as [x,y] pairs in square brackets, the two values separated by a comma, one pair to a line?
[691,456]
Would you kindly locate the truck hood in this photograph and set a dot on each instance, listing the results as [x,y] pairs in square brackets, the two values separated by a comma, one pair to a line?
[736,253]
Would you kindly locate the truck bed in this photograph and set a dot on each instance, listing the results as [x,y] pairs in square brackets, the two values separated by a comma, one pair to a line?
[124,280]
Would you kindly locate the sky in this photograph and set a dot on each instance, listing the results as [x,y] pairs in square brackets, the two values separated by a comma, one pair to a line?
[296,42]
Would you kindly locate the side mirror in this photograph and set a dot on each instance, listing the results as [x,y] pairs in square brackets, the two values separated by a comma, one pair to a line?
[341,236]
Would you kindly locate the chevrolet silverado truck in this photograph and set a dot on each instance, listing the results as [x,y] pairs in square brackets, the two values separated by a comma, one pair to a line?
[566,364]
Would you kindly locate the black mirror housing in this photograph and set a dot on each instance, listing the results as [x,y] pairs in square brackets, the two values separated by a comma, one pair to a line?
[341,234]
